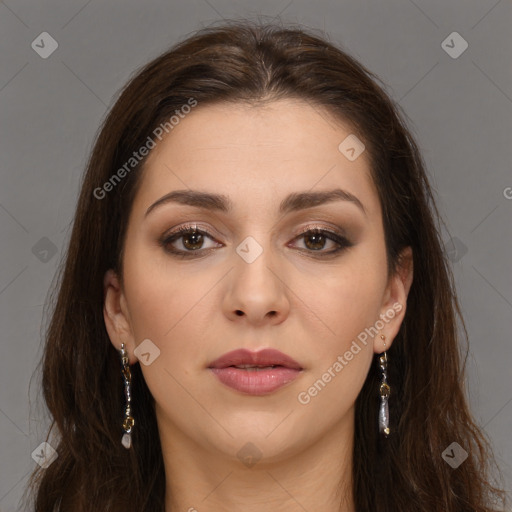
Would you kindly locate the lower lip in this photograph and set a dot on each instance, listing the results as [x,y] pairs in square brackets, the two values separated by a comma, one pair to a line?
[256,382]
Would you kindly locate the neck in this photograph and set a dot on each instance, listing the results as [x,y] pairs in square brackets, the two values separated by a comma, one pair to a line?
[258,476]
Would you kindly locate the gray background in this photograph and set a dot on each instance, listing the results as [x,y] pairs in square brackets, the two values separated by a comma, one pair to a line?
[460,111]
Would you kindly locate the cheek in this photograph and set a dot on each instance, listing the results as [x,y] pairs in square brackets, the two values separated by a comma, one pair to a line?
[348,299]
[166,307]
[348,303]
[160,298]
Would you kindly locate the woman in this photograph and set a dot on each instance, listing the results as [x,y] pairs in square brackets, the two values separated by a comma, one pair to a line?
[256,312]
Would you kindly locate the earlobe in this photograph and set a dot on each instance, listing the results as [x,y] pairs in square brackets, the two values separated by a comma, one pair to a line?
[395,302]
[115,313]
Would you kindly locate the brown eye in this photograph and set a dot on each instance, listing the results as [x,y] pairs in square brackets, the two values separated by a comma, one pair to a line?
[315,241]
[193,240]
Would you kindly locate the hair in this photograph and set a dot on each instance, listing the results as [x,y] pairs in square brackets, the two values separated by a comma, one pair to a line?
[82,385]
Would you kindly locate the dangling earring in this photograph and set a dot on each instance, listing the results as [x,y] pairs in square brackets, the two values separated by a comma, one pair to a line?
[384,391]
[128,421]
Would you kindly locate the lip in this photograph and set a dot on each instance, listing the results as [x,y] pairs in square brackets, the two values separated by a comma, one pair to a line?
[253,381]
[264,357]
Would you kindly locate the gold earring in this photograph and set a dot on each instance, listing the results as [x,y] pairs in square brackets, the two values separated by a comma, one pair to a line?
[384,391]
[128,421]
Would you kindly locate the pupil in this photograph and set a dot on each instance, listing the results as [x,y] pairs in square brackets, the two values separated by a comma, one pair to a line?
[320,240]
[197,240]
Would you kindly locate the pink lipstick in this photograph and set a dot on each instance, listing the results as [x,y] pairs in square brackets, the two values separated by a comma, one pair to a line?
[255,373]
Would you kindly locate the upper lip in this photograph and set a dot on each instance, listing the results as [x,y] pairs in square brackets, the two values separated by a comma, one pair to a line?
[265,357]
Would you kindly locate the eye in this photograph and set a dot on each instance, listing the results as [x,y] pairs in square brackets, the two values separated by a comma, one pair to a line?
[315,240]
[190,238]
[189,241]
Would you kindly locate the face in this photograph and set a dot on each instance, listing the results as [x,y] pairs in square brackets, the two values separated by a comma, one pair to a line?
[259,266]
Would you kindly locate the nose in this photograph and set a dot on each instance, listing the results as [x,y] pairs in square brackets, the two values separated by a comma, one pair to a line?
[257,292]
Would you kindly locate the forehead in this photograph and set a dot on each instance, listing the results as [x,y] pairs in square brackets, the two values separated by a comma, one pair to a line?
[256,151]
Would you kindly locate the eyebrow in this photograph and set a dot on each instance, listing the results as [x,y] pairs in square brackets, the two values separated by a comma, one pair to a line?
[294,202]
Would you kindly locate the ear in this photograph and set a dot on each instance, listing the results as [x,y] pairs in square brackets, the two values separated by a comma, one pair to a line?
[115,313]
[395,301]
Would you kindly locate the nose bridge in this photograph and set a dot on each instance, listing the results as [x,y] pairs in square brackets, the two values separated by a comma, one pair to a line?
[256,289]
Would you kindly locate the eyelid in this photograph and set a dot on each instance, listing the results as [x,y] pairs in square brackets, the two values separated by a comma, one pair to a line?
[313,227]
[188,226]
[196,226]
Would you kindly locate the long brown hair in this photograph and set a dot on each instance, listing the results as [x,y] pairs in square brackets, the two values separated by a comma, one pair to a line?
[81,379]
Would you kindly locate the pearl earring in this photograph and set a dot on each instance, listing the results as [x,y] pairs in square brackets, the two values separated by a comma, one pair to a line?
[384,391]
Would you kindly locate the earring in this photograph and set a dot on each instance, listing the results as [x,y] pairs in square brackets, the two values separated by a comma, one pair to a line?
[384,391]
[128,421]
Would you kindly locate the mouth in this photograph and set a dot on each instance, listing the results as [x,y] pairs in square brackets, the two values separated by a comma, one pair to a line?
[255,368]
[255,373]
[263,359]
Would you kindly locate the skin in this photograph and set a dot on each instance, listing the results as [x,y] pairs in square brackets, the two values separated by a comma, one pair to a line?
[292,299]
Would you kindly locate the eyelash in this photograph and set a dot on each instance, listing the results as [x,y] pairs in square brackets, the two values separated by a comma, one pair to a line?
[167,239]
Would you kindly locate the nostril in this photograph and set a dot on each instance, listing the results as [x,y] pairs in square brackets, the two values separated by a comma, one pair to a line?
[239,313]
